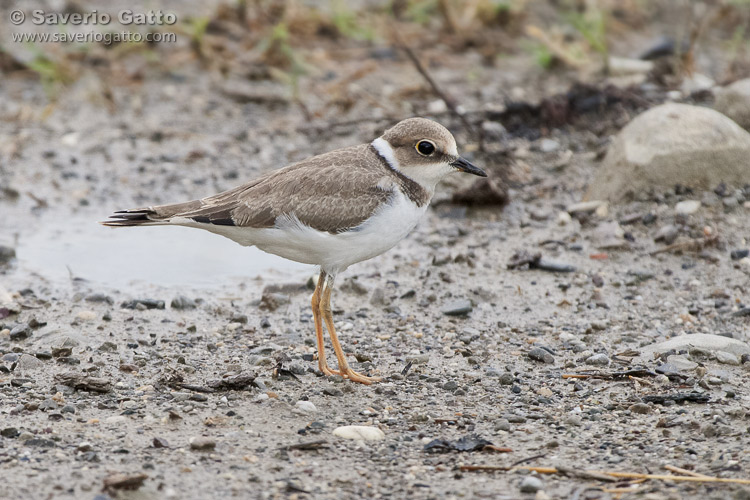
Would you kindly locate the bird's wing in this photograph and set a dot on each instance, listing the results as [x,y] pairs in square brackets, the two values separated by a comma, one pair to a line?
[332,192]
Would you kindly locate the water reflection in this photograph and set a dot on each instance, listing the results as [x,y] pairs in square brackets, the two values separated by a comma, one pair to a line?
[168,256]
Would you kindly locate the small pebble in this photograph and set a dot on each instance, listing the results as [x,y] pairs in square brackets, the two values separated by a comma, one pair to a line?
[531,484]
[306,406]
[503,425]
[667,234]
[99,297]
[84,446]
[727,358]
[563,218]
[27,362]
[6,254]
[20,332]
[144,303]
[451,385]
[548,145]
[640,408]
[181,303]
[160,442]
[202,443]
[540,354]
[598,360]
[86,315]
[460,307]
[687,207]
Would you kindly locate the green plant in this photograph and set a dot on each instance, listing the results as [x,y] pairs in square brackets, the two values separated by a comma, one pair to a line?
[195,28]
[421,11]
[592,27]
[285,62]
[345,21]
[542,56]
[54,74]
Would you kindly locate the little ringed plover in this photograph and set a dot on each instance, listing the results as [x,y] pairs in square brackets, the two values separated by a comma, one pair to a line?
[332,210]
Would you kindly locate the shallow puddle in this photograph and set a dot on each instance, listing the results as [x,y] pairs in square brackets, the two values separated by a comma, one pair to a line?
[167,256]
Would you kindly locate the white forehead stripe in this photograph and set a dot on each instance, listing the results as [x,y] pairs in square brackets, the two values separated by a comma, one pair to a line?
[385,150]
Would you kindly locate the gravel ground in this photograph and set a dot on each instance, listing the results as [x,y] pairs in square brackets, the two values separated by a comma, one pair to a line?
[209,388]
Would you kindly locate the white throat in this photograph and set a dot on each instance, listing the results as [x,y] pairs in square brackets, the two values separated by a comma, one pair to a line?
[385,150]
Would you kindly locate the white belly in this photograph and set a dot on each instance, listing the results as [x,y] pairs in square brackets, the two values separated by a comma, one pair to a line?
[333,252]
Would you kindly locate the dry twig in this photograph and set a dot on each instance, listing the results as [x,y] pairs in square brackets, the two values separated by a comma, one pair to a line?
[693,244]
[602,474]
[448,100]
[680,470]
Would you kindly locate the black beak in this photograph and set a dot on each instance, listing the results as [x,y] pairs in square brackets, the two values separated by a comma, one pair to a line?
[465,166]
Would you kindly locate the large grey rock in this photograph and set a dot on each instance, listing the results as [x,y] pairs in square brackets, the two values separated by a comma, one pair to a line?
[673,144]
[734,101]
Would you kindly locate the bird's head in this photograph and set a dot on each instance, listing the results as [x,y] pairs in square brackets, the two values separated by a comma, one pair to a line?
[423,150]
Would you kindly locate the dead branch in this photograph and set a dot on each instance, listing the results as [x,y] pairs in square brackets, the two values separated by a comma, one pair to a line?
[447,99]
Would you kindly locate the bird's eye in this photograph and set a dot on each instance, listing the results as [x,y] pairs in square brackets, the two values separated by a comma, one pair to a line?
[425,148]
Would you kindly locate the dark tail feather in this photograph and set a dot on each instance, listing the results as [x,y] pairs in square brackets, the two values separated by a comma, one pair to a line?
[133,217]
[150,216]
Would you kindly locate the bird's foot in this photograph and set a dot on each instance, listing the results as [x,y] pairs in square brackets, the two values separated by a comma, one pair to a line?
[358,377]
[328,372]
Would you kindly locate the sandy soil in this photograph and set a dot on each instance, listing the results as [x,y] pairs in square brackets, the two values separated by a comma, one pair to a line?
[479,374]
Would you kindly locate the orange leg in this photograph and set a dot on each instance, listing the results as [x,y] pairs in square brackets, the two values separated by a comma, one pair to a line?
[325,309]
[322,363]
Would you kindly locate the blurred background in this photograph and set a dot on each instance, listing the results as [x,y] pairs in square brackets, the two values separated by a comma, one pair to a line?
[165,101]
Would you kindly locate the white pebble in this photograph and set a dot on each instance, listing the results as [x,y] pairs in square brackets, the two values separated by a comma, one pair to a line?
[306,406]
[359,432]
[687,207]
[86,315]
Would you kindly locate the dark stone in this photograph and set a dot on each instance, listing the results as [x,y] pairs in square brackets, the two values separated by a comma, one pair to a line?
[99,297]
[10,432]
[107,347]
[147,303]
[460,307]
[69,360]
[239,318]
[160,443]
[540,354]
[20,332]
[181,303]
[739,254]
[6,254]
[59,352]
[44,443]
[451,385]
[35,323]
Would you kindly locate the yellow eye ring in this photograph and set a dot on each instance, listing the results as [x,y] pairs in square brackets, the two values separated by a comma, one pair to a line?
[425,147]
